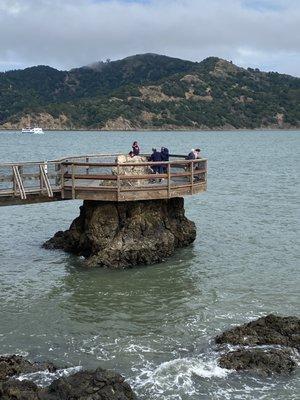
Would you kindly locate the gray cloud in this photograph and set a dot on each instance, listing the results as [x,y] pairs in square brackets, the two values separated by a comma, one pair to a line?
[65,34]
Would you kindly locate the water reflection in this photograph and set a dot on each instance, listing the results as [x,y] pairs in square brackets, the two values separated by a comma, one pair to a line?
[147,295]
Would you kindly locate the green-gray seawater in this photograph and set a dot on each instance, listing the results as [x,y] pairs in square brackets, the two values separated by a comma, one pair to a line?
[155,324]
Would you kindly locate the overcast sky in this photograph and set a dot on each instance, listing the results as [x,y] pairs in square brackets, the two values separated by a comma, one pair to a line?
[66,34]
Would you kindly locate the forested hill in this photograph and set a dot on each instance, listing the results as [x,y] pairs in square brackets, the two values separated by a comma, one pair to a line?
[149,92]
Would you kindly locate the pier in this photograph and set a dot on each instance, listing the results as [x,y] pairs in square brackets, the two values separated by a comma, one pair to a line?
[100,177]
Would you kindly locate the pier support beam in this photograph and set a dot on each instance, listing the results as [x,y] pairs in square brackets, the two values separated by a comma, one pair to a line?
[126,234]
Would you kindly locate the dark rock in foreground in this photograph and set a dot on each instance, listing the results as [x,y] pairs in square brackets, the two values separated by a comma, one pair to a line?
[19,390]
[15,365]
[264,362]
[269,330]
[122,235]
[97,385]
[84,385]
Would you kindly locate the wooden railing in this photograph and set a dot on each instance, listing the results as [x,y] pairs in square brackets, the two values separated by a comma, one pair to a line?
[178,177]
[22,179]
[101,177]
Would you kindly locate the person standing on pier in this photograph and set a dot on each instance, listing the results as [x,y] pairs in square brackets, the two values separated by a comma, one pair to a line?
[197,153]
[136,148]
[156,168]
[164,156]
[156,157]
[194,155]
[191,155]
[197,166]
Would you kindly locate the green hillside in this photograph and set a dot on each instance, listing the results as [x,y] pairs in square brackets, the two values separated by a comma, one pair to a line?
[149,92]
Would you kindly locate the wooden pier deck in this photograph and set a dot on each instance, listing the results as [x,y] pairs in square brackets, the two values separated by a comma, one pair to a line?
[100,177]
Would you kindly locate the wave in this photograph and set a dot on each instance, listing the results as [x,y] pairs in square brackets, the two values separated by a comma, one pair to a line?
[45,378]
[178,374]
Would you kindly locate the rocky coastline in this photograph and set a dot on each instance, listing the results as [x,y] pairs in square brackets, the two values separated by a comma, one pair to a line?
[266,346]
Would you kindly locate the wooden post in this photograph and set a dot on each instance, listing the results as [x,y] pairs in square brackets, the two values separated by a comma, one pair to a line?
[14,182]
[62,170]
[21,172]
[18,182]
[192,176]
[45,181]
[169,180]
[73,181]
[87,168]
[118,181]
[41,179]
[57,170]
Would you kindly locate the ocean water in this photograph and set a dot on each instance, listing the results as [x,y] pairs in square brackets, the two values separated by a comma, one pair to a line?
[156,324]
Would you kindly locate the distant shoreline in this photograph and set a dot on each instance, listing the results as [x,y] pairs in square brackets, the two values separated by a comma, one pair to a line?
[162,130]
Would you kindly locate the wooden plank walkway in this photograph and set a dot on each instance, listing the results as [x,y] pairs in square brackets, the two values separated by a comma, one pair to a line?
[100,177]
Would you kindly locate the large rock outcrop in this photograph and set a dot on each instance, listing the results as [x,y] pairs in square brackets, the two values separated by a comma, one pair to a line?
[269,330]
[264,362]
[14,365]
[99,384]
[126,234]
[129,170]
[19,390]
[266,345]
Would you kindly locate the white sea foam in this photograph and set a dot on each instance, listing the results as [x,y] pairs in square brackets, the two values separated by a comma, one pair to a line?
[17,352]
[44,378]
[179,373]
[246,392]
[136,348]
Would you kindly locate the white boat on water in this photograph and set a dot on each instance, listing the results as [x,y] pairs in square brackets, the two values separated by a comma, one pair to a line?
[36,131]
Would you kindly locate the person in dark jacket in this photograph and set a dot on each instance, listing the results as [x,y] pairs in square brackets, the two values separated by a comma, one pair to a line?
[156,157]
[164,154]
[191,155]
[136,148]
[165,157]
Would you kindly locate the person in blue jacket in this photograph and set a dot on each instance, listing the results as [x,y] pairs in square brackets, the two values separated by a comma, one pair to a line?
[156,157]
